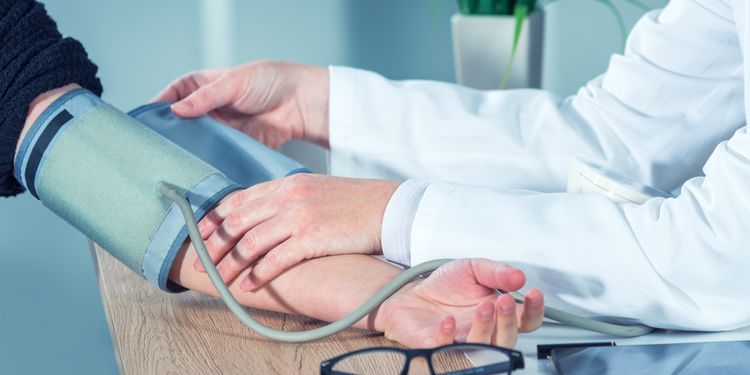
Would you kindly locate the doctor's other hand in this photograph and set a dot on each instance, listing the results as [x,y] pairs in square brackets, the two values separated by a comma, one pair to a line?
[459,303]
[280,223]
[271,101]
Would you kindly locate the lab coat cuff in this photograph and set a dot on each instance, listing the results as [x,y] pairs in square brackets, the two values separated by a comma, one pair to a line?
[397,221]
[425,221]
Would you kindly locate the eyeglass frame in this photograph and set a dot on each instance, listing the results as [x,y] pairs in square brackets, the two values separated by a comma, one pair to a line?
[515,361]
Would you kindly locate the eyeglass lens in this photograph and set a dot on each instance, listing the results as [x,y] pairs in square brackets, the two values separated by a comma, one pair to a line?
[383,362]
[452,360]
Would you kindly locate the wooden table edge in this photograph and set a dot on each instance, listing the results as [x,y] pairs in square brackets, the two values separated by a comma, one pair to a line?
[107,306]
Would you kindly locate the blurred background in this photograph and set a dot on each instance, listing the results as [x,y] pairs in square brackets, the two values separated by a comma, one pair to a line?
[51,317]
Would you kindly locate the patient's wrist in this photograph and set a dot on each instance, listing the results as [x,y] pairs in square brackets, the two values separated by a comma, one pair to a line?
[385,315]
[38,106]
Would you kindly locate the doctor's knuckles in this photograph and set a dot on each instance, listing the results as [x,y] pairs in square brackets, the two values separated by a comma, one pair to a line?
[271,101]
[277,224]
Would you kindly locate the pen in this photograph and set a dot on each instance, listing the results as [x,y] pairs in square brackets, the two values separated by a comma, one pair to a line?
[545,351]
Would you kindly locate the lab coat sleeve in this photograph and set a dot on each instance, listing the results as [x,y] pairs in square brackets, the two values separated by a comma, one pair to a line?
[655,106]
[672,263]
[677,263]
[654,116]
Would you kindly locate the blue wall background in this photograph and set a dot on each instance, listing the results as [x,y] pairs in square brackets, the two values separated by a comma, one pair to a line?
[51,318]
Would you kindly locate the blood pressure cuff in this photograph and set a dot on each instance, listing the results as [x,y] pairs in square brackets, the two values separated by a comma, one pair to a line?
[98,169]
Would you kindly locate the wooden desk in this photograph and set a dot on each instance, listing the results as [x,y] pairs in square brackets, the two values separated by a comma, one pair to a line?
[154,332]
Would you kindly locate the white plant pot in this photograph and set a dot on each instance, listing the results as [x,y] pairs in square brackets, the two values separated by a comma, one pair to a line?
[482,46]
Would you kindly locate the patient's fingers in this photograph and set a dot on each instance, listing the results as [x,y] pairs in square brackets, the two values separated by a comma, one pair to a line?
[484,324]
[253,244]
[506,323]
[496,275]
[446,332]
[533,311]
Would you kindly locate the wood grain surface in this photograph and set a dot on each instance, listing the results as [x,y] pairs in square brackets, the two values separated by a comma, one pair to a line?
[189,333]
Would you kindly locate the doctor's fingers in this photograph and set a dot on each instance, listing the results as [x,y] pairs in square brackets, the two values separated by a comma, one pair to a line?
[185,85]
[233,227]
[276,261]
[206,98]
[242,198]
[254,244]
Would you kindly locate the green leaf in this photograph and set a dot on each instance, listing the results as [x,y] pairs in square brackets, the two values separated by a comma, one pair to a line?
[467,6]
[519,13]
[504,6]
[486,7]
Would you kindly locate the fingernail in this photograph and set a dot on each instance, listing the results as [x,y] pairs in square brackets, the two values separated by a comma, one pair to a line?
[247,285]
[222,274]
[448,326]
[486,315]
[508,306]
[182,106]
[198,265]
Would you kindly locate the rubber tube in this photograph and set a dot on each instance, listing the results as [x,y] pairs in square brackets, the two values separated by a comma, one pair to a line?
[173,193]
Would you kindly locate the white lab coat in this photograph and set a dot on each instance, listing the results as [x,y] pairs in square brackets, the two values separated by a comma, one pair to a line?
[490,170]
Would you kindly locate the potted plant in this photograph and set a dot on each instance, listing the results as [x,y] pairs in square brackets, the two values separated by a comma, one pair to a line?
[499,43]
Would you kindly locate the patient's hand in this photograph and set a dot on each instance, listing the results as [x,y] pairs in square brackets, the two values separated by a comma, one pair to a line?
[458,302]
[283,222]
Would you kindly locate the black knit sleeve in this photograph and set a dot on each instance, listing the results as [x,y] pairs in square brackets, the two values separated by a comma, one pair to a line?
[34,58]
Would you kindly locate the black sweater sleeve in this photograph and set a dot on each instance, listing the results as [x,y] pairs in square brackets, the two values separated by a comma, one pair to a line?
[34,58]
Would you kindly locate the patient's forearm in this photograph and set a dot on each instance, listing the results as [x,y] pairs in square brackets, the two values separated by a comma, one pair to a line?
[324,288]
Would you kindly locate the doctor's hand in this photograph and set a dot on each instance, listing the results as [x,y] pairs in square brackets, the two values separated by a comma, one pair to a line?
[271,101]
[283,222]
[459,303]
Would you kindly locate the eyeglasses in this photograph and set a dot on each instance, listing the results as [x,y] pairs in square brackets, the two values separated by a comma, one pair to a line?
[447,360]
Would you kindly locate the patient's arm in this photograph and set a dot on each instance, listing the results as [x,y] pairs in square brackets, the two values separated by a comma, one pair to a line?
[39,105]
[324,288]
[458,301]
